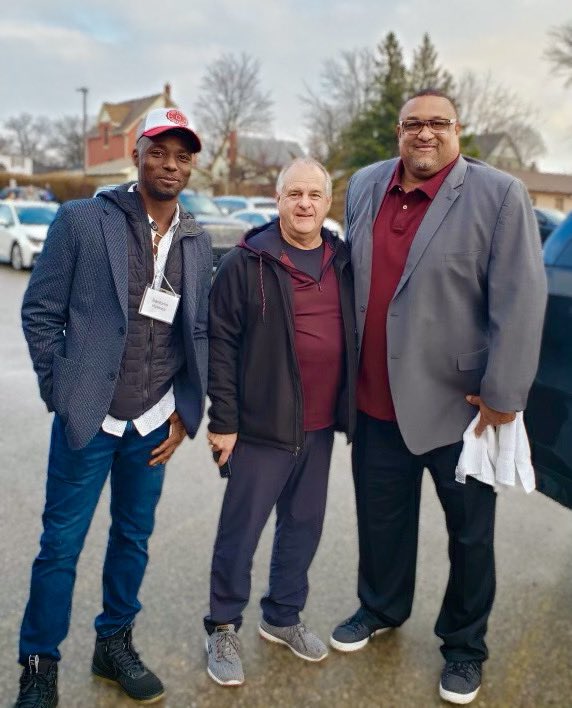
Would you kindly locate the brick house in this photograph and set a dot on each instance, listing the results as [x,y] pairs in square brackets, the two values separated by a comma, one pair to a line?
[110,143]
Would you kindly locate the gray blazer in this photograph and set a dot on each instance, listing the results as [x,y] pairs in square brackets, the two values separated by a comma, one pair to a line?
[467,314]
[74,316]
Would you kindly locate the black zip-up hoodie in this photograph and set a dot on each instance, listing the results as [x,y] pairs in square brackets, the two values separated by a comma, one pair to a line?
[254,381]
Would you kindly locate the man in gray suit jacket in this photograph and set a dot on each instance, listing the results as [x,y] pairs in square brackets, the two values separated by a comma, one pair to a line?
[450,297]
[115,316]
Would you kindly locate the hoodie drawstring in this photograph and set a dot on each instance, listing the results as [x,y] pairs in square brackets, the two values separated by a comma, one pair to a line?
[261,280]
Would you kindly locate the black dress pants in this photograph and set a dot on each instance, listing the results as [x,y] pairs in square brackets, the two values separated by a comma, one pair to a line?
[387,479]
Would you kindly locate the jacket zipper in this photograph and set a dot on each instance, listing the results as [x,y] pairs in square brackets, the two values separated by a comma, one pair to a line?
[297,385]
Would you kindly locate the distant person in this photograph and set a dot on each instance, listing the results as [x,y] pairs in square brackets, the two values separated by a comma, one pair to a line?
[450,296]
[281,379]
[115,316]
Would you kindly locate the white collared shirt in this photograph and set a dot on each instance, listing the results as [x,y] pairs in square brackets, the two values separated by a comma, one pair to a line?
[160,412]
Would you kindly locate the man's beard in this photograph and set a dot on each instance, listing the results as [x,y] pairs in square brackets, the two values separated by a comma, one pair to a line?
[424,164]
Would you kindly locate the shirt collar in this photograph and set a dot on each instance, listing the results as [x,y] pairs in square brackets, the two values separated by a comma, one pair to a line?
[176,216]
[430,187]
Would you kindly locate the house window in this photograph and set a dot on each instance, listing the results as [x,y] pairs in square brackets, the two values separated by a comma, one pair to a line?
[105,136]
[533,199]
[559,203]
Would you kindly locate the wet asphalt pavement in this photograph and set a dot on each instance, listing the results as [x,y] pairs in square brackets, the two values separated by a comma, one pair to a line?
[530,634]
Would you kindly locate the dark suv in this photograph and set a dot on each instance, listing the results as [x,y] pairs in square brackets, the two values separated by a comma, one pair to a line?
[549,411]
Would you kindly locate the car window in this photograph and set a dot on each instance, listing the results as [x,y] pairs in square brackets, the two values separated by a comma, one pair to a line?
[199,204]
[232,204]
[36,215]
[253,218]
[264,203]
[6,215]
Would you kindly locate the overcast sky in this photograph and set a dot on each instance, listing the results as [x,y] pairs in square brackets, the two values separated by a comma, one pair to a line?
[123,49]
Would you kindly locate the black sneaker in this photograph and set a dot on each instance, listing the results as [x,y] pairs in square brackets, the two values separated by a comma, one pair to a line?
[355,632]
[116,660]
[38,684]
[460,681]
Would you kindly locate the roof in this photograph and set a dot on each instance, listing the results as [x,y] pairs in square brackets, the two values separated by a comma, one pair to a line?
[125,114]
[552,183]
[268,151]
[486,143]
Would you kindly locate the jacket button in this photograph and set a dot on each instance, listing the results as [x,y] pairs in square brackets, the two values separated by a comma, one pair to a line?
[121,331]
[362,308]
[111,376]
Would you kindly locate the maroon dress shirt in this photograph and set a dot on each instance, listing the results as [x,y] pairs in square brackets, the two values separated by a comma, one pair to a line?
[396,224]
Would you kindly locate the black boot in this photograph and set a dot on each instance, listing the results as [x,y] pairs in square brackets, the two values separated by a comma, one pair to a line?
[38,684]
[116,660]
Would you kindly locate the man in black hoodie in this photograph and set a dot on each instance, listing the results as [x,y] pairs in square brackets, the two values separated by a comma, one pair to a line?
[115,318]
[281,379]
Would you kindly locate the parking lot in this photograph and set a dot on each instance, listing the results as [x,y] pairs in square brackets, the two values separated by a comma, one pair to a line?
[530,635]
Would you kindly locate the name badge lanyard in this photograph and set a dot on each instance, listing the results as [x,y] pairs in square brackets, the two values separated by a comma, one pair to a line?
[158,303]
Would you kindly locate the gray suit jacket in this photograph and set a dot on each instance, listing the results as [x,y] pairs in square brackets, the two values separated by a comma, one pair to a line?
[74,316]
[466,316]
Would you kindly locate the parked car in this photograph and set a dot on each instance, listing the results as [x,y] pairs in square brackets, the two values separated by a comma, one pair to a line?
[548,220]
[225,231]
[23,229]
[549,411]
[230,203]
[258,217]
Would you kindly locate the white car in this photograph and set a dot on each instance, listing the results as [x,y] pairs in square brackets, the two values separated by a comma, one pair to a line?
[258,217]
[23,230]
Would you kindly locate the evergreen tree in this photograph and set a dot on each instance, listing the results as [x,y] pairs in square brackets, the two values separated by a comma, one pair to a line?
[426,72]
[371,136]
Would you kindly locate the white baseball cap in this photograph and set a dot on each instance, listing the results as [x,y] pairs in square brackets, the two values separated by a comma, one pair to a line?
[160,120]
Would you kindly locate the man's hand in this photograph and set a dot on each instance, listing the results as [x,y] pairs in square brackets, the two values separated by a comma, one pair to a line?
[177,434]
[488,415]
[223,443]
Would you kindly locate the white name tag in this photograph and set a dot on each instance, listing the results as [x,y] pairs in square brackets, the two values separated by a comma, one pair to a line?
[159,304]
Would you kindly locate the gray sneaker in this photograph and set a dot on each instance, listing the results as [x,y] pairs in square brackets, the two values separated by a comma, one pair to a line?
[224,665]
[298,638]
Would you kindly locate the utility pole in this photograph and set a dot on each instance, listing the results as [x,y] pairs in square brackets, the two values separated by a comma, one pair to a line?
[84,90]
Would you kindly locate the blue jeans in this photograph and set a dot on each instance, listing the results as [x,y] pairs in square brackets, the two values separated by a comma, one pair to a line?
[75,481]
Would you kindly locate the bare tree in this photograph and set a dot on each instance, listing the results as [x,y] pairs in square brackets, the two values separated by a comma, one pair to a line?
[66,141]
[486,106]
[559,54]
[30,135]
[345,87]
[231,99]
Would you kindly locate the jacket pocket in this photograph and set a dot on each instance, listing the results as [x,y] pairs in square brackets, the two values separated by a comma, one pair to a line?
[473,360]
[65,377]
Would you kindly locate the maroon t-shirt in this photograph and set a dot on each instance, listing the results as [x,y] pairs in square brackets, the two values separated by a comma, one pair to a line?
[396,224]
[319,337]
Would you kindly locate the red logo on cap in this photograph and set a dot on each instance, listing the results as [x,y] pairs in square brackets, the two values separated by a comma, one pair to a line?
[178,118]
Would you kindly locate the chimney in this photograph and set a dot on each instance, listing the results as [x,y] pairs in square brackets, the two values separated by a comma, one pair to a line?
[167,92]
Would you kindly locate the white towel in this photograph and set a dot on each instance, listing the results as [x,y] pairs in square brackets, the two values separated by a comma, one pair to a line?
[499,456]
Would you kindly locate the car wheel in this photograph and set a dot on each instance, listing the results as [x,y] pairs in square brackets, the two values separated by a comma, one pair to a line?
[16,260]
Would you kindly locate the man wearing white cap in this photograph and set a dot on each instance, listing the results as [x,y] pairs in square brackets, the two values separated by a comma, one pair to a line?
[115,318]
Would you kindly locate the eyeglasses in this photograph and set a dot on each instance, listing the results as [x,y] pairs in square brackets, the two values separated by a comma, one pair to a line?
[437,125]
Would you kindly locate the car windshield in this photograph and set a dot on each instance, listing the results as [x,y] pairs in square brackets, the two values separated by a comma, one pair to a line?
[199,204]
[36,215]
